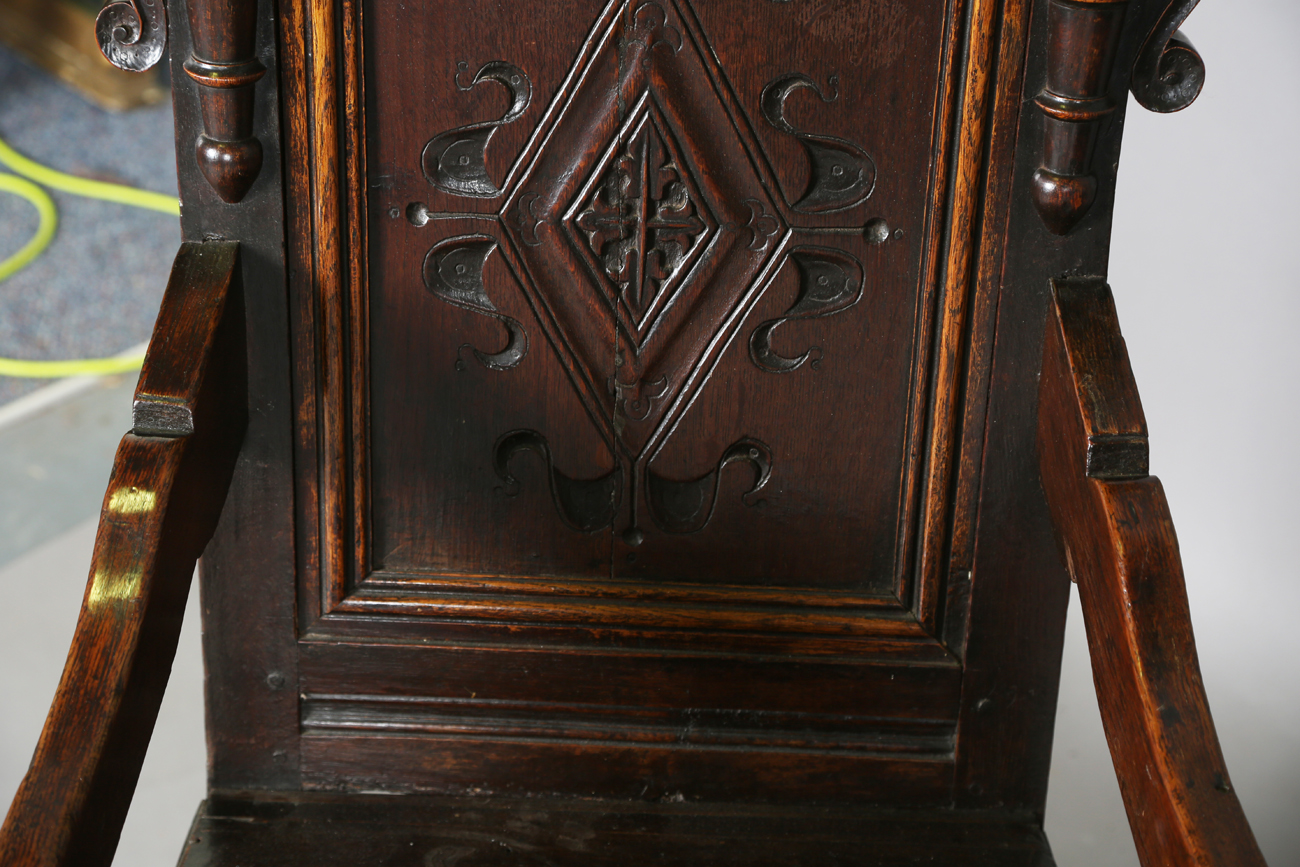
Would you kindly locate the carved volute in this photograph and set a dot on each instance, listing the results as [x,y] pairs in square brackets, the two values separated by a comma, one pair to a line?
[1082,39]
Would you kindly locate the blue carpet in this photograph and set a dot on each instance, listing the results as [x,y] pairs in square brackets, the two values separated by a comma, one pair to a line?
[96,289]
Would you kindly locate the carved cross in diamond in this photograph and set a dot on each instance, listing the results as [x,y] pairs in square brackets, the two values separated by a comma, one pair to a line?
[640,220]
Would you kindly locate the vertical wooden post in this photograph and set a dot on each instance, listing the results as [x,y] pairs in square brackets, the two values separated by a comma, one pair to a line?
[224,63]
[1080,54]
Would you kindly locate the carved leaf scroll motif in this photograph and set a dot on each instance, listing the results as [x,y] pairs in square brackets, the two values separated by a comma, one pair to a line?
[453,271]
[841,174]
[829,281]
[589,505]
[456,161]
[643,230]
[585,505]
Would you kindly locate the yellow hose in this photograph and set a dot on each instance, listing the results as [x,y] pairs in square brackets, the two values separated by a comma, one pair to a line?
[86,188]
[49,220]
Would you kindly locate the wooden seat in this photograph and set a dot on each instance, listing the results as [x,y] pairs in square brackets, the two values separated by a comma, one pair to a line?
[335,830]
[639,431]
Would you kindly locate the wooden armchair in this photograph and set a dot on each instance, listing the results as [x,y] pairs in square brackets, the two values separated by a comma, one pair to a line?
[639,431]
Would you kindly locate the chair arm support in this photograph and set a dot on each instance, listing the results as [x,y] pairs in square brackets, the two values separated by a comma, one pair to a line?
[165,494]
[1118,540]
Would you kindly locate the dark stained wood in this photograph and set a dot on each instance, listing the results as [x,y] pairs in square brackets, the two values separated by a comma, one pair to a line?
[412,831]
[132,34]
[1083,41]
[1081,53]
[163,500]
[169,395]
[250,650]
[638,415]
[1119,544]
[731,583]
[1168,73]
[574,424]
[224,64]
[1113,422]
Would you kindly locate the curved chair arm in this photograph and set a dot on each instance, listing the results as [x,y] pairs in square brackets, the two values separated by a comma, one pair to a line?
[1113,522]
[164,497]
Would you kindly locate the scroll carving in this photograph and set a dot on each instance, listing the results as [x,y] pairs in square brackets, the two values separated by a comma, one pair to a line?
[589,505]
[1168,72]
[1082,37]
[132,33]
[687,506]
[841,174]
[225,66]
[829,281]
[586,505]
[453,271]
[456,161]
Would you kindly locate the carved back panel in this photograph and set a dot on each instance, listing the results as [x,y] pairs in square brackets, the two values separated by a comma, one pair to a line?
[640,369]
[655,347]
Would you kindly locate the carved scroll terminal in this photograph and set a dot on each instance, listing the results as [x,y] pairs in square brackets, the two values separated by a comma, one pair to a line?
[687,506]
[585,505]
[1082,39]
[132,33]
[829,281]
[841,174]
[456,161]
[453,271]
[1168,72]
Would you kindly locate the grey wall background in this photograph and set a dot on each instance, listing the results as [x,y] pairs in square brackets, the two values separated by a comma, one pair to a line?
[1204,269]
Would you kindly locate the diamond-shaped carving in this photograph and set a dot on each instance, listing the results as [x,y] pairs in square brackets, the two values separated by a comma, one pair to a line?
[642,224]
[640,221]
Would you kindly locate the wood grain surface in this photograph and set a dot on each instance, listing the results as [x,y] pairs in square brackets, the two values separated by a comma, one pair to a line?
[657,414]
[1119,544]
[333,830]
[162,503]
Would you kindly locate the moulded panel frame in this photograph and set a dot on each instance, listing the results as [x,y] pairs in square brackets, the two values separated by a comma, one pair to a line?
[923,619]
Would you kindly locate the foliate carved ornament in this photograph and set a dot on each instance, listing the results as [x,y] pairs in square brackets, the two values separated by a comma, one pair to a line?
[639,271]
[132,33]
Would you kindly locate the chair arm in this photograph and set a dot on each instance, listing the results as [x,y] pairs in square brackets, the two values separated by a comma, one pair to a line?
[1118,540]
[165,494]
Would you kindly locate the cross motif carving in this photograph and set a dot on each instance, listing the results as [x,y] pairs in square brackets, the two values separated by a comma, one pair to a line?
[640,221]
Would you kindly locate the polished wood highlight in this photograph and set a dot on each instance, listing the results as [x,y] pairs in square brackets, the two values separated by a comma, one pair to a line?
[640,459]
[224,64]
[1119,545]
[163,500]
[132,33]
